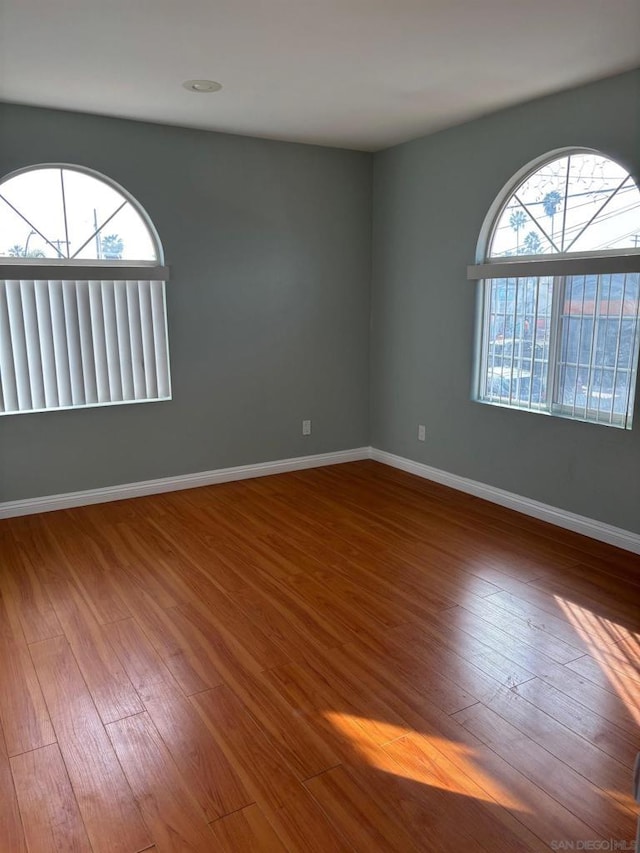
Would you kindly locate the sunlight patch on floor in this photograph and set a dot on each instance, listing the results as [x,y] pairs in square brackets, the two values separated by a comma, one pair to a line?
[596,635]
[428,759]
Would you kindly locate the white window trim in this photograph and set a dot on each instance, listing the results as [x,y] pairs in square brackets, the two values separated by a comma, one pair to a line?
[593,263]
[78,272]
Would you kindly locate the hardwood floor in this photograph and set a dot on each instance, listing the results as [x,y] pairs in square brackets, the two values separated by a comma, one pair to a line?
[341,659]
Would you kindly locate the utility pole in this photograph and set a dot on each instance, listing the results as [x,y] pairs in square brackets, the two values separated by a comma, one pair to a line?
[95,228]
[26,245]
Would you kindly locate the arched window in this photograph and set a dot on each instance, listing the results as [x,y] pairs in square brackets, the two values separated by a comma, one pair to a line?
[559,271]
[72,215]
[82,294]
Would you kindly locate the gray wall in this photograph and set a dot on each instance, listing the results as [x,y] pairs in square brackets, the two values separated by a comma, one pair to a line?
[269,305]
[430,200]
[270,249]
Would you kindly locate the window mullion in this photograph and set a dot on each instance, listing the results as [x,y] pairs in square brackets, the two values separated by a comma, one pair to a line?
[592,345]
[516,343]
[555,338]
[635,354]
[579,352]
[534,320]
[64,213]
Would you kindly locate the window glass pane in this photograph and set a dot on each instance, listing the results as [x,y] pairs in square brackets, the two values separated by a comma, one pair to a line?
[516,345]
[603,205]
[518,233]
[89,203]
[124,237]
[63,213]
[616,225]
[598,347]
[37,195]
[17,238]
[583,202]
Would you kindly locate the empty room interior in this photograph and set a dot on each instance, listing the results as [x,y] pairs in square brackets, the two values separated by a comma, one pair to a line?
[319,426]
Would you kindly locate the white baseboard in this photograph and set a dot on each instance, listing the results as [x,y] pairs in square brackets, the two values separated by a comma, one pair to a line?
[172,484]
[561,518]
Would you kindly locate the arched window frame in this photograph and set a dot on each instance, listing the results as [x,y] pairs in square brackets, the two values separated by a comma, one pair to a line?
[77,333]
[558,267]
[155,268]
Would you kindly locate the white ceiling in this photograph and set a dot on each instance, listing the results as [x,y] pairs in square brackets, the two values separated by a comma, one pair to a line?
[361,74]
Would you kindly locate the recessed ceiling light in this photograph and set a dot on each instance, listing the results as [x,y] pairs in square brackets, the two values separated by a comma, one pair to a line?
[202,87]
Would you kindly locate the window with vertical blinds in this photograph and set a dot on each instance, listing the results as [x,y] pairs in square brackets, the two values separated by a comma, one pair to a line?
[559,313]
[82,294]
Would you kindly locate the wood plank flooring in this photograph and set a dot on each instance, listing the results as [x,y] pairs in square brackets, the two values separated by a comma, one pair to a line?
[341,659]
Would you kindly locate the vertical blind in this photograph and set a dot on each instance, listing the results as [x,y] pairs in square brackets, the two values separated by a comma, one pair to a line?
[75,343]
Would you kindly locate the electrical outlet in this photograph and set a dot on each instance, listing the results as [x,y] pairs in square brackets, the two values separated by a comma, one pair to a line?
[306,427]
[422,433]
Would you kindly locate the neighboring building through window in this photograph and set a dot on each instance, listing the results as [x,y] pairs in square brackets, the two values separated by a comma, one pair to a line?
[560,277]
[82,294]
